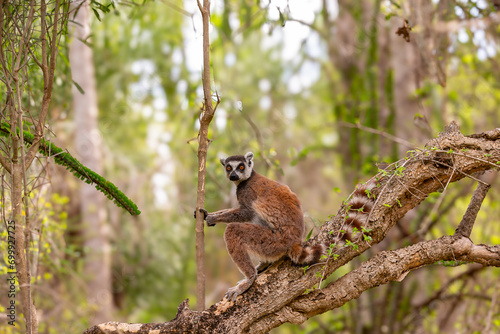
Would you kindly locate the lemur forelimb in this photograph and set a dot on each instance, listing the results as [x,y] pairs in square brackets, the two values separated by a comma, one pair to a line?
[267,225]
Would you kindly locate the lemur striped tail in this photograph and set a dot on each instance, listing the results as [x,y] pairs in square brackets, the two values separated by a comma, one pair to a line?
[306,255]
[359,208]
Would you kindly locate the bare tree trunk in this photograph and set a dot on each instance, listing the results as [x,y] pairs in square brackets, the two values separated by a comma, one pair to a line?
[25,37]
[88,141]
[21,231]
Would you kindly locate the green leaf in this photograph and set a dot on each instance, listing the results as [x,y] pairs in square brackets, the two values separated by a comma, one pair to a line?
[80,89]
[309,234]
[96,14]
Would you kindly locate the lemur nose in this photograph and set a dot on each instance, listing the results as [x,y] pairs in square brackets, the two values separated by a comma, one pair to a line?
[233,177]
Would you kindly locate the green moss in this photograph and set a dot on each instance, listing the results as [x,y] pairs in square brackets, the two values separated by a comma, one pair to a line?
[85,174]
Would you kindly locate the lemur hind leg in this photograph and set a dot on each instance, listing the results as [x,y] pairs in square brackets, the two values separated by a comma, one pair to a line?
[245,241]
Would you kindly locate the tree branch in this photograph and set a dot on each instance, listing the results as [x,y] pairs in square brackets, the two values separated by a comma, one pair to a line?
[277,296]
[465,226]
[207,114]
[48,71]
[5,164]
[377,132]
[381,269]
[438,294]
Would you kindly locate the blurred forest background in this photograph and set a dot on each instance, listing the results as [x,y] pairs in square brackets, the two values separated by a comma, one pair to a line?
[324,92]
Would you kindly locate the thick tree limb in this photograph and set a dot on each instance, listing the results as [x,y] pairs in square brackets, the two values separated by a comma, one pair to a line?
[381,269]
[278,296]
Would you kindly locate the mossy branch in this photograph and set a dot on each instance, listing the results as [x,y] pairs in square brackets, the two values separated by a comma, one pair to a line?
[85,174]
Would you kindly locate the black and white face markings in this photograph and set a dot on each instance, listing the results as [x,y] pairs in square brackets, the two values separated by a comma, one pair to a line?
[238,167]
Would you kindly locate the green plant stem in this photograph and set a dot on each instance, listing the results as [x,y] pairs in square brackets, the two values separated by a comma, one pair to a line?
[85,174]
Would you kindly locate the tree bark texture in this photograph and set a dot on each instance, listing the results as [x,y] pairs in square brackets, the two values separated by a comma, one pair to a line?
[19,22]
[282,293]
[88,142]
[206,117]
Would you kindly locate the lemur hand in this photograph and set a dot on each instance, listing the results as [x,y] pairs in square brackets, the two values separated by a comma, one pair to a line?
[205,213]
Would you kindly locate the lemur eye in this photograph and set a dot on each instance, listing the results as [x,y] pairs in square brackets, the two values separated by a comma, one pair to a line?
[242,167]
[228,168]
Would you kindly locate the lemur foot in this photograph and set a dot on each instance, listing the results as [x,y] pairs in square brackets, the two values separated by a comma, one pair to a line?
[237,290]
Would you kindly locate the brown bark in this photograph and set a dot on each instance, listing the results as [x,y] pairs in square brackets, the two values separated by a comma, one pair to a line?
[48,69]
[21,246]
[278,295]
[467,223]
[19,22]
[206,117]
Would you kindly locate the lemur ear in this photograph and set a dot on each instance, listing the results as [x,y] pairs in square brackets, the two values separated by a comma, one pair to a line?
[249,157]
[223,161]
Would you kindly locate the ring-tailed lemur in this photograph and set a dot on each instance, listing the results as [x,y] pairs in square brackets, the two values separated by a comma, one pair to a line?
[267,225]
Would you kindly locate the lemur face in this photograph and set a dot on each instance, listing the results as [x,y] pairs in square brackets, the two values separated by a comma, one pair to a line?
[238,167]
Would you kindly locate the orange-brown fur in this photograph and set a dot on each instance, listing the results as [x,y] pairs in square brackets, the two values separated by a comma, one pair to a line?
[267,225]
